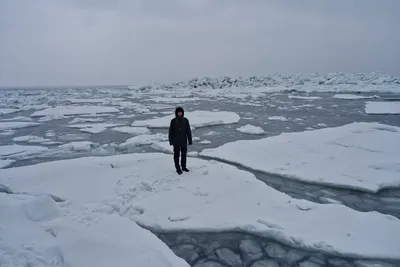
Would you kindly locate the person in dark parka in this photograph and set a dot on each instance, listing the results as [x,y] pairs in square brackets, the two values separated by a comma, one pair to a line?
[179,135]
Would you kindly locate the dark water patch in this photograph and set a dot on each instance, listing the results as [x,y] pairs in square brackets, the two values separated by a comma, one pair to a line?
[235,249]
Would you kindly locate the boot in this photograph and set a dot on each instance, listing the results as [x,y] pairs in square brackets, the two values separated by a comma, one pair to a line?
[185,169]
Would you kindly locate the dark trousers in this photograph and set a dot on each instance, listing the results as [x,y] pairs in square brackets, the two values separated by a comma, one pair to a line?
[180,150]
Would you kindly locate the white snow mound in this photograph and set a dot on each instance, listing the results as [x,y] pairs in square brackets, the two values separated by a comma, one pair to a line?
[250,129]
[382,107]
[363,156]
[217,197]
[198,118]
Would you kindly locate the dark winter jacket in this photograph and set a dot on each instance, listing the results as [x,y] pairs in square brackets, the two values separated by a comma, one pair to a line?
[179,130]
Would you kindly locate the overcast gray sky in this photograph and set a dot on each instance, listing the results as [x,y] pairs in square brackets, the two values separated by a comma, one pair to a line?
[93,42]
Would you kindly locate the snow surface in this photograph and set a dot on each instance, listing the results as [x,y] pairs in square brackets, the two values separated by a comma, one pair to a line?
[18,151]
[144,139]
[217,197]
[250,129]
[18,118]
[93,128]
[6,162]
[304,97]
[363,156]
[277,118]
[382,107]
[198,118]
[30,139]
[132,130]
[352,97]
[78,146]
[16,125]
[36,233]
[4,111]
[74,110]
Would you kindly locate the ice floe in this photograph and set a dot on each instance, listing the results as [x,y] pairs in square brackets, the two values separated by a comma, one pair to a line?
[16,125]
[80,120]
[52,117]
[6,162]
[304,97]
[79,146]
[359,155]
[93,128]
[74,110]
[126,116]
[144,139]
[382,107]
[30,139]
[4,111]
[18,151]
[37,233]
[198,118]
[175,100]
[251,129]
[212,197]
[352,97]
[18,118]
[277,118]
[132,130]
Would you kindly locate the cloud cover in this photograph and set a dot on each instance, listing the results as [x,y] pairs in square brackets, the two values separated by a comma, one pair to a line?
[94,42]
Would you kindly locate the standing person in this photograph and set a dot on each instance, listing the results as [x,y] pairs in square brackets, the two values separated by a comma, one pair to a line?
[179,135]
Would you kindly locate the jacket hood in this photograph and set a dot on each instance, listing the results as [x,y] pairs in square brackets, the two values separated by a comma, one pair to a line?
[179,109]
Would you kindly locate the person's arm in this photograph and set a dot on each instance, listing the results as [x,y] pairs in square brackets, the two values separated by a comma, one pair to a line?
[189,132]
[171,133]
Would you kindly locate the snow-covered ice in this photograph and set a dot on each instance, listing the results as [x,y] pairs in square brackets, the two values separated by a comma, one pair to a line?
[304,97]
[277,118]
[175,100]
[382,107]
[89,100]
[80,120]
[30,139]
[36,233]
[363,156]
[352,97]
[93,128]
[132,130]
[126,116]
[205,142]
[4,111]
[18,151]
[10,125]
[18,118]
[74,110]
[198,118]
[6,162]
[212,197]
[251,129]
[7,132]
[79,146]
[144,139]
[52,117]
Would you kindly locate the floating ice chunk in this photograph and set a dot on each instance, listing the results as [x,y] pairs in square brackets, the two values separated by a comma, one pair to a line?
[382,107]
[164,147]
[295,155]
[74,110]
[93,128]
[198,118]
[250,129]
[4,111]
[18,151]
[80,120]
[16,125]
[126,116]
[52,117]
[18,118]
[175,100]
[205,142]
[79,146]
[79,100]
[224,198]
[145,139]
[353,97]
[6,162]
[304,97]
[7,132]
[30,139]
[132,130]
[277,118]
